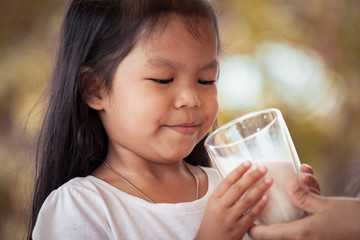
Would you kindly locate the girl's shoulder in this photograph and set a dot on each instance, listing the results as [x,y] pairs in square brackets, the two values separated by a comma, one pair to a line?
[75,187]
[71,210]
[79,192]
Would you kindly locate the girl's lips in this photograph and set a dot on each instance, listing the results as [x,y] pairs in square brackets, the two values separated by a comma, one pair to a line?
[184,128]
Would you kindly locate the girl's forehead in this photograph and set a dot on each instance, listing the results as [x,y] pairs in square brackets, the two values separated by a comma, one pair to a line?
[197,28]
[175,46]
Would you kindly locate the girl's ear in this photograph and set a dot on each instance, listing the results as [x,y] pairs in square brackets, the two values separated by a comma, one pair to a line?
[91,88]
[94,95]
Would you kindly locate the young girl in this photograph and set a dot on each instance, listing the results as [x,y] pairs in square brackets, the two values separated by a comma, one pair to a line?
[121,152]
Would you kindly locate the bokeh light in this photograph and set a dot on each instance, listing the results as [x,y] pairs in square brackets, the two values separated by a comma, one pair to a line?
[300,56]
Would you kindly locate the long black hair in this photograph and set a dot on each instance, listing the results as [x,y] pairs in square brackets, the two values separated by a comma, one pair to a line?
[95,36]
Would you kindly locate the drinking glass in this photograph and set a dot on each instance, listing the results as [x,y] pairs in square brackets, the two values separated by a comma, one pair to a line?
[263,138]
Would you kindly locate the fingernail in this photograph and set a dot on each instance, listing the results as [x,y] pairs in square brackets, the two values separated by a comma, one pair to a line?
[292,186]
[264,197]
[262,169]
[306,165]
[247,163]
[268,180]
[303,176]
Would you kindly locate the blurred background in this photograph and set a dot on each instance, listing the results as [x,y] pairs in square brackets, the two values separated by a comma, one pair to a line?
[299,56]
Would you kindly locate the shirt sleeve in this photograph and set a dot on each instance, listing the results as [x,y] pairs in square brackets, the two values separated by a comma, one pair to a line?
[70,214]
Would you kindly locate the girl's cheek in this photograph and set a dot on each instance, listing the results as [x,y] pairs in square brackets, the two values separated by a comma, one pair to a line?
[216,108]
[214,112]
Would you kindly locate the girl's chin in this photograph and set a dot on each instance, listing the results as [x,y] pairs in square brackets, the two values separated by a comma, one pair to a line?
[175,157]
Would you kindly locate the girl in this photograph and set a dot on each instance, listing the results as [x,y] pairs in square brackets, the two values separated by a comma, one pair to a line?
[133,94]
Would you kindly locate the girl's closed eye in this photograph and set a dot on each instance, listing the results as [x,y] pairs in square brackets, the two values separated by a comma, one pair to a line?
[207,82]
[167,81]
[162,81]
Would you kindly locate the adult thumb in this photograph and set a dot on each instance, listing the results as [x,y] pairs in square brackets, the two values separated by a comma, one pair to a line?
[302,198]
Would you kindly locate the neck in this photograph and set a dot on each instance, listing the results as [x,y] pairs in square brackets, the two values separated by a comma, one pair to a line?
[161,182]
[127,162]
[141,193]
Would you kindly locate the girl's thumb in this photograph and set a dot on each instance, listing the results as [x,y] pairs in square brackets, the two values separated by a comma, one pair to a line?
[302,198]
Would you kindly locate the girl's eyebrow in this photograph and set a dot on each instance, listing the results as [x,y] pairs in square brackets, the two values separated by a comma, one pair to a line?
[160,61]
[212,64]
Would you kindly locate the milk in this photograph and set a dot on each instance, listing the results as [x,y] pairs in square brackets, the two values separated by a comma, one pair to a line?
[263,138]
[279,208]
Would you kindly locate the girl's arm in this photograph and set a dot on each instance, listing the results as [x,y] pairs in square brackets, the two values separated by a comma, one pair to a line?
[235,204]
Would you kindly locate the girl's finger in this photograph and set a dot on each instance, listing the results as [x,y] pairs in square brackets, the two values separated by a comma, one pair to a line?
[255,211]
[251,198]
[237,190]
[234,176]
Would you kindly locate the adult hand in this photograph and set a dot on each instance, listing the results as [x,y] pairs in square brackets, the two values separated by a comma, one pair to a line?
[330,218]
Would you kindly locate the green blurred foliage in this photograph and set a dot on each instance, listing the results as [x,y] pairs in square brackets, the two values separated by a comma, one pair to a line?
[331,28]
[27,37]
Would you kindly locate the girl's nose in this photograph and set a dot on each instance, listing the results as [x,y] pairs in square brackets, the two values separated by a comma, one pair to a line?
[187,98]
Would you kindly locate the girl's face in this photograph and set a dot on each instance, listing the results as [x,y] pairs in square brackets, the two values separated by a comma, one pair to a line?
[164,97]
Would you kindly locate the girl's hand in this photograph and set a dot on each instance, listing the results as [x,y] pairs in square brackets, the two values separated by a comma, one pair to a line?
[235,204]
[308,179]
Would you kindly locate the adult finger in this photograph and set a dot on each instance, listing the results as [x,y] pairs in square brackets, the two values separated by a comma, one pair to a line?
[311,182]
[284,231]
[306,168]
[302,198]
[308,178]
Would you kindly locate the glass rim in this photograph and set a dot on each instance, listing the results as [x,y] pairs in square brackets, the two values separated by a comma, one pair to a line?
[248,115]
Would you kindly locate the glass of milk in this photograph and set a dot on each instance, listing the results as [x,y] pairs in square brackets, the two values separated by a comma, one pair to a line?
[263,138]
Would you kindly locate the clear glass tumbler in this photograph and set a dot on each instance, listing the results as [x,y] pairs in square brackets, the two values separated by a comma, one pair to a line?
[263,138]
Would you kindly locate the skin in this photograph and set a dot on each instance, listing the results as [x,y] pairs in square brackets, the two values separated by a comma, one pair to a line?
[330,218]
[227,217]
[162,102]
[308,179]
[231,210]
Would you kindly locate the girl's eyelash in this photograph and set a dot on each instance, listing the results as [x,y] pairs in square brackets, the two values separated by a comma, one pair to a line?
[167,81]
[207,82]
[162,81]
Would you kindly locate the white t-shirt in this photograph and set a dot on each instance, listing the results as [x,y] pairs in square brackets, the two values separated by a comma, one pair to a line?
[89,208]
